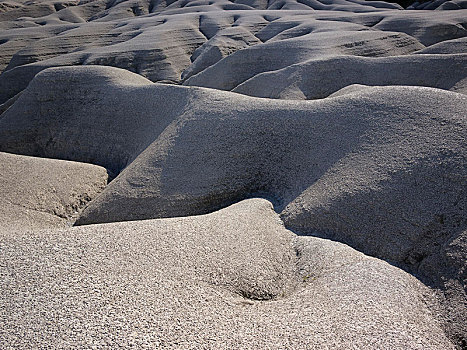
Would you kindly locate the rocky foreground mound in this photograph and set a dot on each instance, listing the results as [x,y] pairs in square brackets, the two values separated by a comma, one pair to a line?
[347,117]
[234,278]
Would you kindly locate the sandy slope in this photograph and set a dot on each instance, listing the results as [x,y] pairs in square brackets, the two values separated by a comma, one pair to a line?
[231,279]
[43,193]
[377,160]
[347,168]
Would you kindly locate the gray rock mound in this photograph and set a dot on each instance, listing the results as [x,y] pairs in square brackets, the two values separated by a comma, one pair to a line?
[320,78]
[429,29]
[229,73]
[43,193]
[382,169]
[216,44]
[438,5]
[234,278]
[453,46]
[94,123]
[347,115]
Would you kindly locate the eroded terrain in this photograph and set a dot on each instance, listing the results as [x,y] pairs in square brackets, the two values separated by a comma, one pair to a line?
[137,137]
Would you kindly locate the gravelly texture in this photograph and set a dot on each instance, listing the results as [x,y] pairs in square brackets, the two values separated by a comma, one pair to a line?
[189,283]
[377,161]
[381,169]
[41,193]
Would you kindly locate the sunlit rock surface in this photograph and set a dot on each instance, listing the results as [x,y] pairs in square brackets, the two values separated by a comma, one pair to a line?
[347,117]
